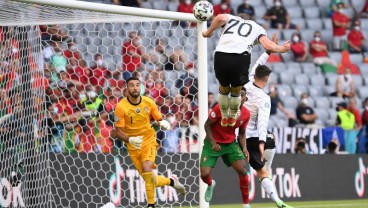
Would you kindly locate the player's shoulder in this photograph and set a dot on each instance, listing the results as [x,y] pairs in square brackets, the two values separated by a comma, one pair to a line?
[122,102]
[146,99]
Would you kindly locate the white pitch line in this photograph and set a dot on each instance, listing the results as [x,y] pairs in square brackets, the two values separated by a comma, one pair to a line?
[329,205]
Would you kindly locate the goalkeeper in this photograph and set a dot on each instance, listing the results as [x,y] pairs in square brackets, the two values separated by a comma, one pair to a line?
[220,142]
[132,125]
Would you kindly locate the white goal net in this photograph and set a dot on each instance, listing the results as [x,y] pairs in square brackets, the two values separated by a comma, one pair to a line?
[62,72]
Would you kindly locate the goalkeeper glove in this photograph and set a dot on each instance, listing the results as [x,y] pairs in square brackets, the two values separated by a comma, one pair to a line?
[136,142]
[165,125]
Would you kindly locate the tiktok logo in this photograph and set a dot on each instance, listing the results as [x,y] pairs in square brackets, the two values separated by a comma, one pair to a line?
[359,178]
[115,190]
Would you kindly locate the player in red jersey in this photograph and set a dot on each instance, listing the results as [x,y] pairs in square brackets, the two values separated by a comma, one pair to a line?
[220,142]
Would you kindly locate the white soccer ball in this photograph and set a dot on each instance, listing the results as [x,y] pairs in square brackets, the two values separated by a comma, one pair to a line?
[203,10]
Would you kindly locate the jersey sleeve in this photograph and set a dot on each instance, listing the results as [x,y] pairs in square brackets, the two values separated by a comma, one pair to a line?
[155,113]
[263,117]
[119,116]
[246,120]
[260,61]
[215,114]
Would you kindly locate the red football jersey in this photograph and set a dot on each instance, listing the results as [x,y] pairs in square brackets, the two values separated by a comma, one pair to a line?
[226,135]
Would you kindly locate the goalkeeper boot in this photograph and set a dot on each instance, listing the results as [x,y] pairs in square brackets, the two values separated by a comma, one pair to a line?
[281,204]
[177,185]
[209,191]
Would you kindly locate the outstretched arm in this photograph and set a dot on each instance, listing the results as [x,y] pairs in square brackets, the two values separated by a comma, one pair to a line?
[270,46]
[219,21]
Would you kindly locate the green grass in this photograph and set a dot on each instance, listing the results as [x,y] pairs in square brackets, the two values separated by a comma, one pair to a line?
[360,203]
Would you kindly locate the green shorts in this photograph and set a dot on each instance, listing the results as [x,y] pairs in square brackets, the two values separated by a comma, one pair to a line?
[229,153]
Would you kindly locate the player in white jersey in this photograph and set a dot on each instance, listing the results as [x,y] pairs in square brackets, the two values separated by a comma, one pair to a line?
[258,104]
[233,56]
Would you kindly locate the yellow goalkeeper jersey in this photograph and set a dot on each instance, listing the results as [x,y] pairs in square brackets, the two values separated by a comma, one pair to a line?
[135,119]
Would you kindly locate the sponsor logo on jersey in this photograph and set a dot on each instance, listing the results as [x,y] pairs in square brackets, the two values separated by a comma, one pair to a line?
[116,119]
[137,110]
[213,114]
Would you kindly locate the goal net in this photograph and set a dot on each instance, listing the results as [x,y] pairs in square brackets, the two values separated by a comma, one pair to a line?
[62,71]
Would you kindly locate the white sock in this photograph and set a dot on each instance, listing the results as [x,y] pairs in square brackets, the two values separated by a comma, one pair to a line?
[245,205]
[267,184]
[223,101]
[234,104]
[269,154]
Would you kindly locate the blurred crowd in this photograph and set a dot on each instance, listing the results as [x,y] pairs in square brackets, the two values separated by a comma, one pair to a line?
[80,96]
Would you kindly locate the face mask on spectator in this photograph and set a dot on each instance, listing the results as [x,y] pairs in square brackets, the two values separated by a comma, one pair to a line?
[246,2]
[277,3]
[223,6]
[272,89]
[56,109]
[317,39]
[296,39]
[138,42]
[357,27]
[58,53]
[73,48]
[14,49]
[99,62]
[347,76]
[188,2]
[171,119]
[305,101]
[341,10]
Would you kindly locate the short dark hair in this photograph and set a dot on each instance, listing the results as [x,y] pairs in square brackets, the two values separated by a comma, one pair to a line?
[245,16]
[131,79]
[262,71]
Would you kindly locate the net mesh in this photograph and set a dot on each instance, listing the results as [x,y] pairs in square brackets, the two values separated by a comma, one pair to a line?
[62,72]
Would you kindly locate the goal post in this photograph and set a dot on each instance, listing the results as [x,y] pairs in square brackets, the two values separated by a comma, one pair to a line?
[96,29]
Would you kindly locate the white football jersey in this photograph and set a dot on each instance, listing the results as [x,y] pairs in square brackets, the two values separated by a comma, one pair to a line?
[239,35]
[260,61]
[259,106]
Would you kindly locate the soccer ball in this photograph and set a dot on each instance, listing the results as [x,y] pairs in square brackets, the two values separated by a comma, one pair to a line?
[203,10]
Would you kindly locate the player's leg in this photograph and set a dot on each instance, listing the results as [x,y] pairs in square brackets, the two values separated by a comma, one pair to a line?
[221,71]
[235,157]
[207,162]
[270,151]
[150,181]
[234,104]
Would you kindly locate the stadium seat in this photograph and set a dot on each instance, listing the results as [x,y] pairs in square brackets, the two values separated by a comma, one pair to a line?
[299,89]
[323,3]
[284,90]
[363,93]
[273,78]
[359,102]
[147,4]
[260,11]
[294,68]
[332,113]
[365,78]
[364,24]
[327,22]
[311,12]
[302,79]
[356,58]
[328,89]
[335,100]
[308,35]
[309,68]
[315,90]
[335,56]
[300,22]
[102,50]
[317,79]
[331,79]
[358,80]
[295,12]
[278,68]
[322,114]
[309,3]
[160,5]
[271,123]
[349,12]
[290,102]
[314,23]
[236,3]
[286,34]
[282,122]
[287,57]
[285,3]
[322,102]
[357,4]
[173,6]
[286,78]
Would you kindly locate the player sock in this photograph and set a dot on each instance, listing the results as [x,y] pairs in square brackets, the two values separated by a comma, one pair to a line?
[244,188]
[162,181]
[267,184]
[207,180]
[234,104]
[149,180]
[269,154]
[223,101]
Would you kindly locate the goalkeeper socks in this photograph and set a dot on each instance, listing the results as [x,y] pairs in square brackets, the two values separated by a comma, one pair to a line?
[149,180]
[267,184]
[244,188]
[207,180]
[223,101]
[234,103]
[163,181]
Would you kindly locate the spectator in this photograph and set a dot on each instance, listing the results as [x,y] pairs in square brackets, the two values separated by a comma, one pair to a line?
[185,6]
[340,22]
[276,103]
[305,113]
[72,52]
[160,52]
[53,32]
[364,12]
[159,91]
[356,39]
[365,116]
[352,108]
[211,101]
[222,8]
[187,84]
[132,53]
[58,60]
[130,3]
[246,8]
[346,120]
[171,140]
[300,146]
[298,47]
[333,147]
[98,72]
[279,17]
[332,7]
[166,107]
[78,71]
[178,101]
[177,60]
[319,51]
[345,86]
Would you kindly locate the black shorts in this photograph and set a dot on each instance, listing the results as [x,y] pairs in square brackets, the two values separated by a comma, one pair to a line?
[254,154]
[232,69]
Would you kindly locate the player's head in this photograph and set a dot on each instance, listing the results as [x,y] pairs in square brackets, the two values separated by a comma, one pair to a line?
[133,87]
[243,94]
[262,73]
[245,16]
